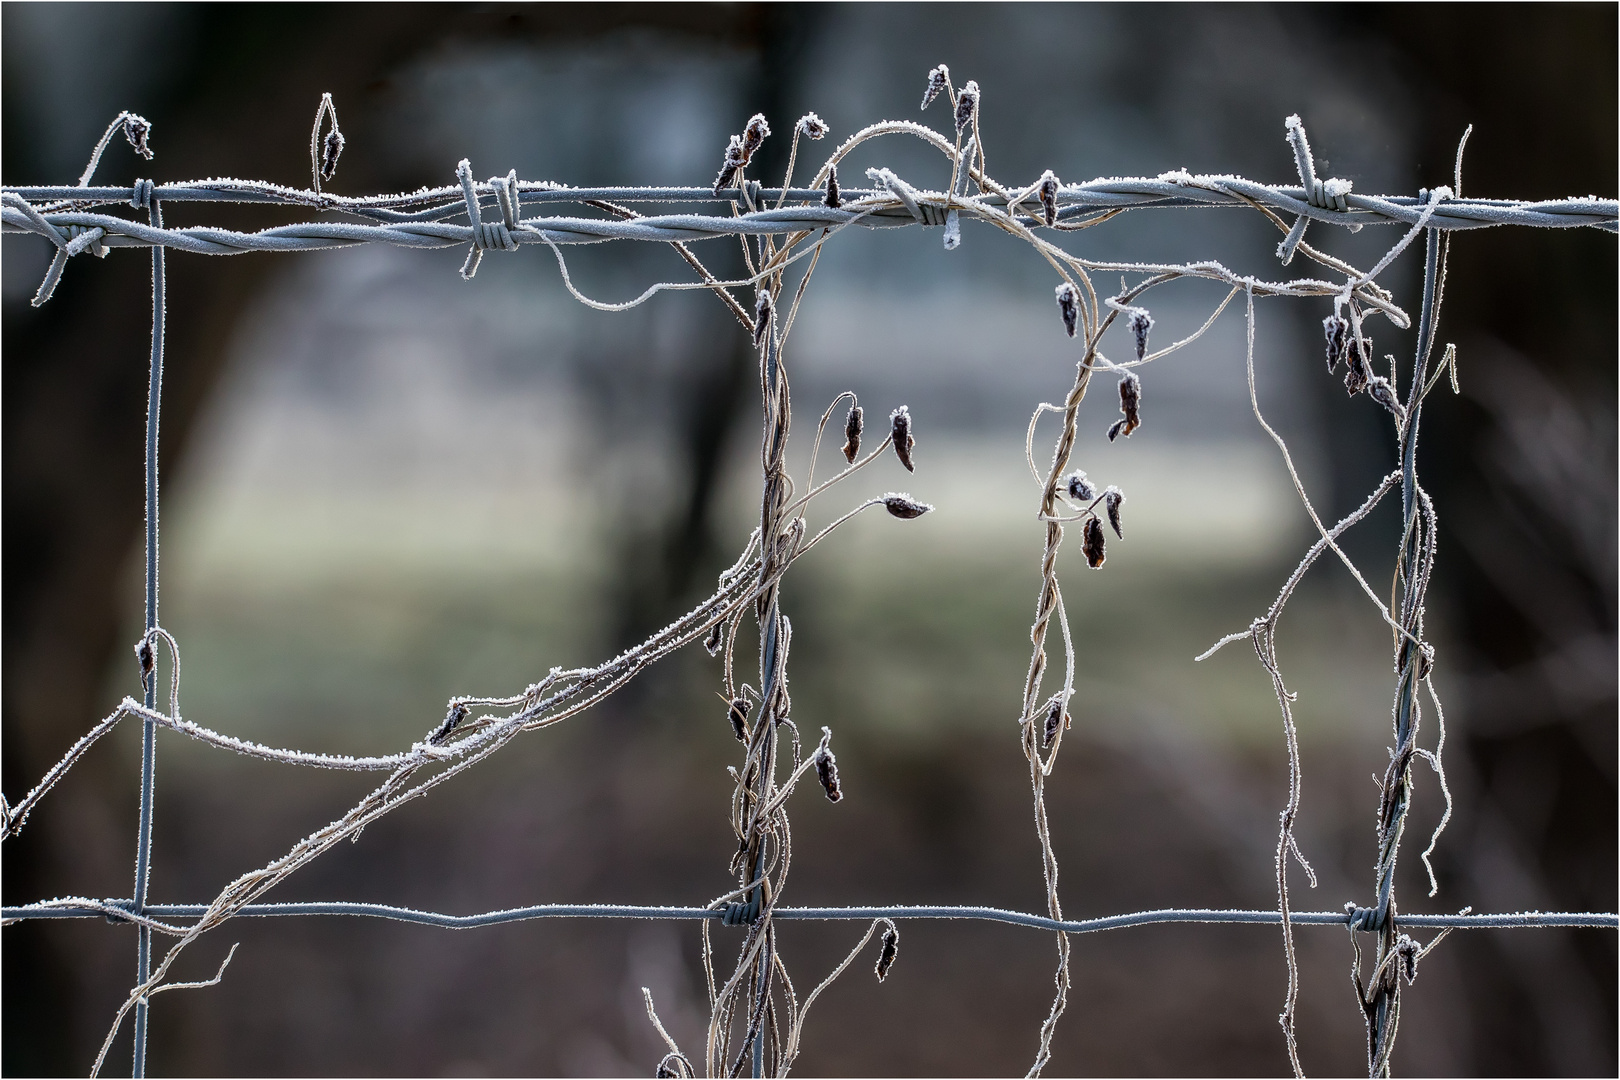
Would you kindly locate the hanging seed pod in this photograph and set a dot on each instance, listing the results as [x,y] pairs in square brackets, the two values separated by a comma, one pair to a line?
[812,126]
[138,129]
[1336,329]
[938,79]
[832,198]
[891,949]
[1048,194]
[447,726]
[827,768]
[331,150]
[903,506]
[1054,722]
[1130,403]
[716,638]
[1081,489]
[1113,497]
[967,103]
[146,658]
[1068,302]
[1092,543]
[764,313]
[737,713]
[853,426]
[1140,322]
[900,424]
[1425,661]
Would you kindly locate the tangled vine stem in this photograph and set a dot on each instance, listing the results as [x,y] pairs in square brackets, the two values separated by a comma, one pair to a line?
[756,1019]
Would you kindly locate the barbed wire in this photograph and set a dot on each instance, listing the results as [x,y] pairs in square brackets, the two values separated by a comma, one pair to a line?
[778,228]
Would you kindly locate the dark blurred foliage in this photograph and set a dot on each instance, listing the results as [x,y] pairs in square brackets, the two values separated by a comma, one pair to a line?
[1523,472]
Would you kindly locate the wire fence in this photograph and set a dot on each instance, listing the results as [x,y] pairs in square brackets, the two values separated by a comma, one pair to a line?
[756,1015]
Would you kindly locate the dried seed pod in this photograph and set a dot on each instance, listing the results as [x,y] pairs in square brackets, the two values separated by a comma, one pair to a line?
[1048,194]
[331,149]
[1068,302]
[812,126]
[1425,661]
[737,713]
[832,198]
[967,103]
[1113,497]
[1140,322]
[1092,543]
[447,727]
[764,313]
[900,429]
[1055,718]
[716,638]
[753,136]
[1081,489]
[891,949]
[903,506]
[145,657]
[1407,951]
[854,424]
[827,768]
[138,129]
[938,79]
[1130,403]
[1336,329]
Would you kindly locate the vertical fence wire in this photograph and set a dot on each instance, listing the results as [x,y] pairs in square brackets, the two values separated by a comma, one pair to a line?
[143,840]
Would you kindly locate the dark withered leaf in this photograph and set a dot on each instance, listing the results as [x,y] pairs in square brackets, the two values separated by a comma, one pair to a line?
[737,714]
[1113,497]
[1068,302]
[891,949]
[967,103]
[1359,371]
[331,150]
[937,79]
[1048,195]
[1081,489]
[832,198]
[1140,322]
[764,312]
[1130,404]
[900,429]
[734,160]
[827,770]
[138,129]
[1054,722]
[903,506]
[1092,543]
[447,727]
[854,424]
[753,136]
[715,639]
[1336,331]
[1380,390]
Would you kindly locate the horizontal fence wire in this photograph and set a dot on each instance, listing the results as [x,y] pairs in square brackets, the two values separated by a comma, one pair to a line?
[1520,919]
[71,223]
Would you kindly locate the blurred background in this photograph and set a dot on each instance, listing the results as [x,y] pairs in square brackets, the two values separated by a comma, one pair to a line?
[384,486]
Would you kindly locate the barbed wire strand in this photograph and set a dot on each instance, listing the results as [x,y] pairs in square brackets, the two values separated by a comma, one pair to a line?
[770,1008]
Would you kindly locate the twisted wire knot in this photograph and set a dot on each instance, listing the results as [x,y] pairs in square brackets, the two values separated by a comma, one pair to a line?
[1369,919]
[488,234]
[141,198]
